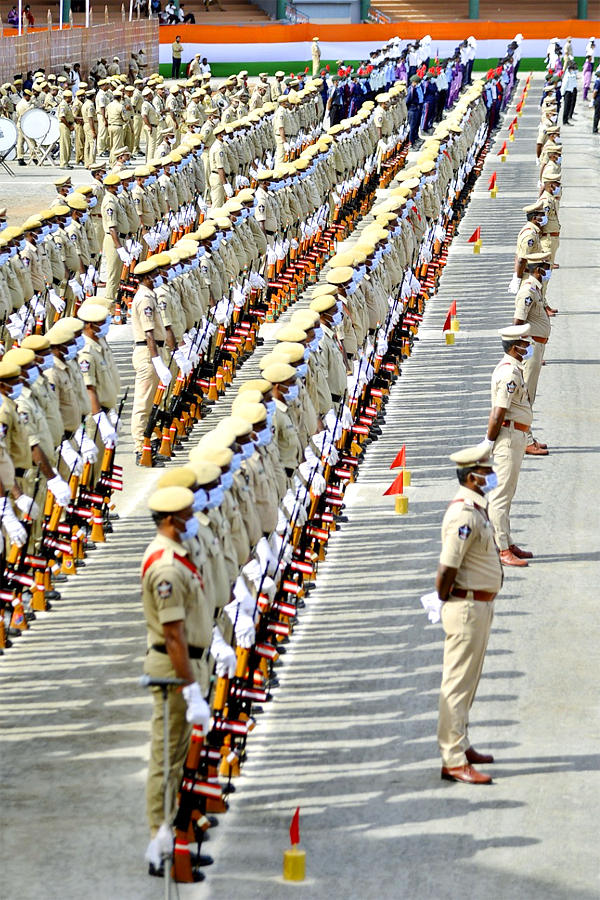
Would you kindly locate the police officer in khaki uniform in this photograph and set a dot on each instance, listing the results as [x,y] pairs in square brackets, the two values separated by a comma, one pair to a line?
[116,229]
[179,633]
[509,423]
[43,392]
[149,337]
[529,240]
[468,578]
[66,121]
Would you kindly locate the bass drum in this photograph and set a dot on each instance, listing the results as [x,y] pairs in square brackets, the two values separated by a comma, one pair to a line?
[53,133]
[35,124]
[8,136]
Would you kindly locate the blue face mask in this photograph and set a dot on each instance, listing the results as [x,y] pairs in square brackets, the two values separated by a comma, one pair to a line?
[263,439]
[47,362]
[236,463]
[546,275]
[120,189]
[22,245]
[130,185]
[215,497]
[16,392]
[337,319]
[226,480]
[301,370]
[104,329]
[247,450]
[79,343]
[84,218]
[156,282]
[33,374]
[318,333]
[292,392]
[528,352]
[71,352]
[490,482]
[191,529]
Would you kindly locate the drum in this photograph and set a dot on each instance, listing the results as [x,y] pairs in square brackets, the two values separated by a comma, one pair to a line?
[53,133]
[8,135]
[35,124]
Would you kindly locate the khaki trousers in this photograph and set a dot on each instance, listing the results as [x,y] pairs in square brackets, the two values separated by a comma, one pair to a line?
[531,374]
[115,134]
[114,268]
[89,153]
[509,451]
[217,191]
[146,382]
[316,62]
[150,138]
[137,132]
[550,245]
[279,153]
[467,624]
[128,136]
[102,135]
[79,144]
[65,145]
[180,732]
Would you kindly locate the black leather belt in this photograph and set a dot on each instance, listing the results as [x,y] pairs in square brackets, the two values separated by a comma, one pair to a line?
[144,344]
[336,398]
[271,233]
[20,473]
[123,236]
[193,652]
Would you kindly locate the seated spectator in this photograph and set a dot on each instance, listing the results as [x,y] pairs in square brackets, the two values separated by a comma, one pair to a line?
[13,17]
[186,18]
[28,17]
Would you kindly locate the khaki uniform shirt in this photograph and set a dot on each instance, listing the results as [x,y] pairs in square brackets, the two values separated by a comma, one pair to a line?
[13,436]
[468,543]
[97,370]
[173,591]
[145,315]
[530,307]
[510,392]
[34,421]
[528,240]
[68,400]
[47,399]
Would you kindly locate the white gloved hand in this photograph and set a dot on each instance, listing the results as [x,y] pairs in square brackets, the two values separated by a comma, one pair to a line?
[433,606]
[485,445]
[160,846]
[14,529]
[161,370]
[28,506]
[72,459]
[245,632]
[346,417]
[182,361]
[56,300]
[88,449]
[61,490]
[228,190]
[109,436]
[124,256]
[223,655]
[115,421]
[268,561]
[88,285]
[513,286]
[76,288]
[198,711]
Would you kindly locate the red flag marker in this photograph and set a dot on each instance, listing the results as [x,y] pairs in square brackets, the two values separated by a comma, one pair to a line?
[295,828]
[503,147]
[514,123]
[452,309]
[400,460]
[447,322]
[492,182]
[476,236]
[397,486]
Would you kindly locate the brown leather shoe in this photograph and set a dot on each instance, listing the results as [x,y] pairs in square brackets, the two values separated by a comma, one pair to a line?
[551,312]
[536,450]
[508,558]
[541,444]
[520,554]
[480,758]
[467,774]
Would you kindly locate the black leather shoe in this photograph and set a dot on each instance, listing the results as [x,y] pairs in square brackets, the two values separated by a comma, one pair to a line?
[159,872]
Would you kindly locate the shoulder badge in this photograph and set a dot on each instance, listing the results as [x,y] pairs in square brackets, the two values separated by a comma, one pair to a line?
[528,301]
[468,502]
[530,242]
[511,387]
[164,590]
[84,365]
[148,311]
[24,418]
[463,532]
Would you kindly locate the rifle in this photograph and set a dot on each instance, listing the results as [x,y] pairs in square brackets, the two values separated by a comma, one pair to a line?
[155,416]
[17,562]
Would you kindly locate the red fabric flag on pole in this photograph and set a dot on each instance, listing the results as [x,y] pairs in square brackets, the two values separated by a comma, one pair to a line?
[452,309]
[514,122]
[492,182]
[476,236]
[295,828]
[397,487]
[446,325]
[503,147]
[400,460]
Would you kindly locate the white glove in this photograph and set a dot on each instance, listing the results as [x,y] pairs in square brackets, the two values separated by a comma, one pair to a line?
[161,370]
[56,300]
[346,417]
[228,190]
[72,459]
[485,445]
[513,286]
[160,846]
[115,421]
[76,288]
[245,632]
[223,655]
[124,256]
[109,436]
[15,530]
[433,606]
[286,146]
[198,711]
[61,490]
[87,449]
[88,285]
[265,555]
[242,596]
[28,506]
[182,361]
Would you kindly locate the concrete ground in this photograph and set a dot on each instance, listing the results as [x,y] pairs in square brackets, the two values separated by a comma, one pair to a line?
[350,735]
